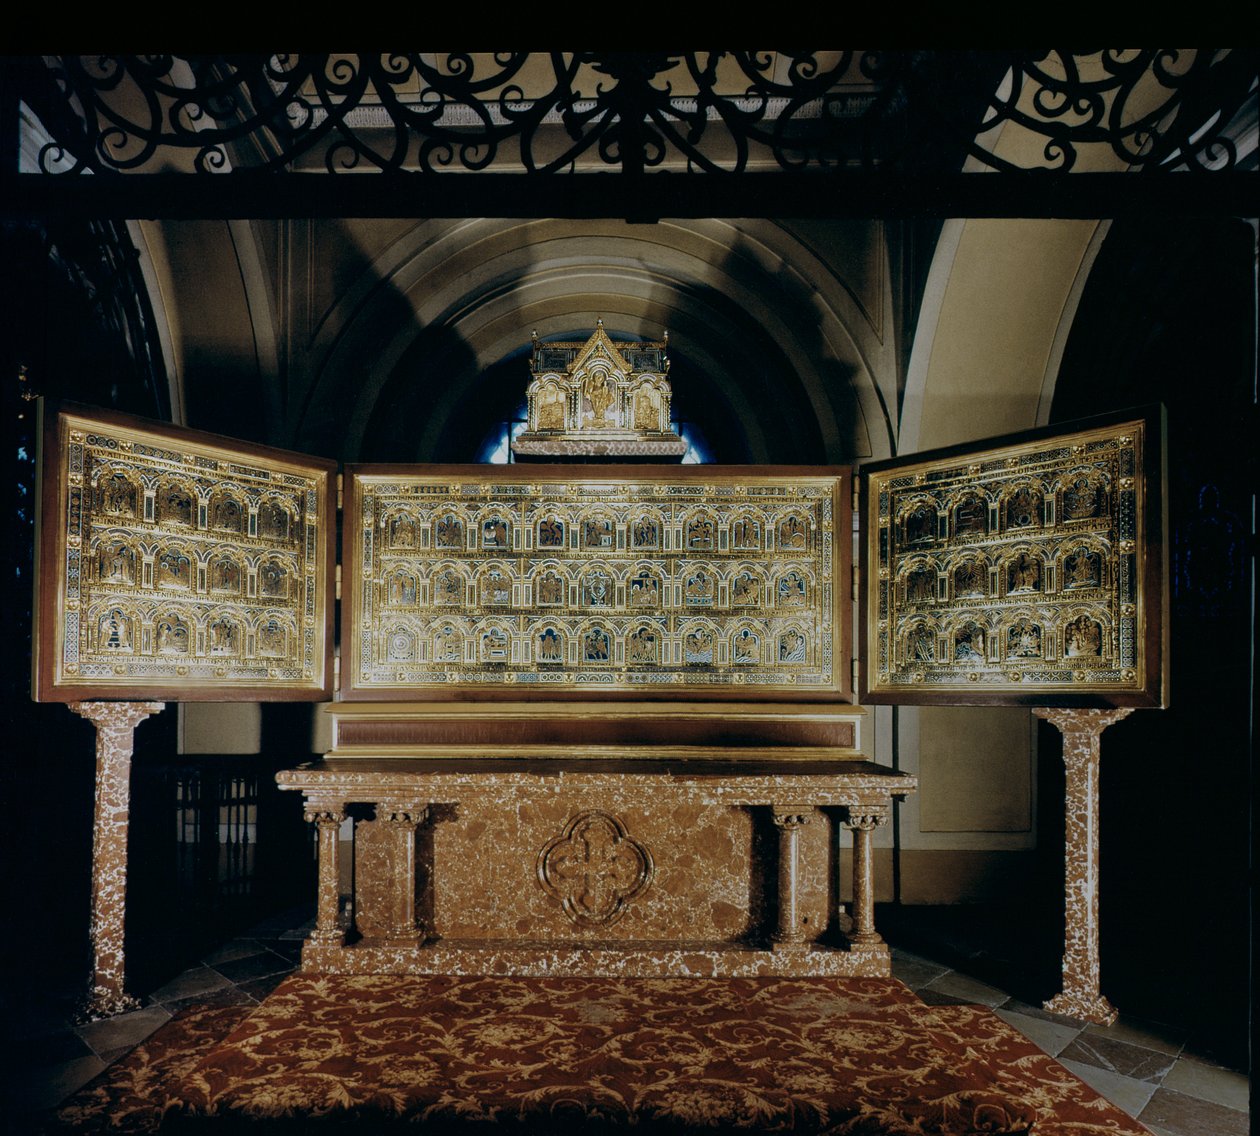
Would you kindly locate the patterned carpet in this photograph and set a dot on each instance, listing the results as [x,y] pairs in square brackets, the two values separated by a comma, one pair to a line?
[849,1056]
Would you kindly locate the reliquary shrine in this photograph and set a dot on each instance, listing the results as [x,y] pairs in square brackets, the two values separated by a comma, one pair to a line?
[715,580]
[599,719]
[185,568]
[599,399]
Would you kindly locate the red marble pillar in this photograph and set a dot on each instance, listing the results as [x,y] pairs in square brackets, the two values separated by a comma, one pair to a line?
[115,724]
[790,819]
[327,818]
[863,823]
[1081,730]
[403,820]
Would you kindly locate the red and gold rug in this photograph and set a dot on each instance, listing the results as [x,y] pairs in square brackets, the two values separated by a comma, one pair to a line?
[846,1056]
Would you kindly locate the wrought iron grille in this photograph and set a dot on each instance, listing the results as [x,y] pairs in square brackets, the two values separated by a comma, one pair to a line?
[711,112]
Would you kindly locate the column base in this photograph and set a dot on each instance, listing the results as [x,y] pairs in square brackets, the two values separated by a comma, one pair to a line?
[788,946]
[412,940]
[99,1004]
[1085,1006]
[327,939]
[864,938]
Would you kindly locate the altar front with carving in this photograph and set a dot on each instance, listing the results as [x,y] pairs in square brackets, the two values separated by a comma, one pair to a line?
[580,865]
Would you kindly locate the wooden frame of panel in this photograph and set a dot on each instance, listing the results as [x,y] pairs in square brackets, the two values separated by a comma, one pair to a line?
[1024,570]
[265,521]
[525,495]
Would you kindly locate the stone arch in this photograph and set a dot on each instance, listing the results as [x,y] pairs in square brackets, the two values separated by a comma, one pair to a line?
[751,299]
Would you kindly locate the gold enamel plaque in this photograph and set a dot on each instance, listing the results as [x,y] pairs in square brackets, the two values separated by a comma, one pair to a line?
[551,581]
[1031,571]
[180,565]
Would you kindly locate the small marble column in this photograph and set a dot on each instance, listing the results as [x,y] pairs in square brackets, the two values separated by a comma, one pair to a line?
[404,820]
[789,936]
[328,930]
[863,823]
[1081,729]
[115,724]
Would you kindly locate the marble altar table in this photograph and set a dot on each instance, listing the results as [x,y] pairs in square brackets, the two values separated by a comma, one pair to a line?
[596,865]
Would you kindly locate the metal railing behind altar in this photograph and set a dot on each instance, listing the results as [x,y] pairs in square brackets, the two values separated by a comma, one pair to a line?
[215,847]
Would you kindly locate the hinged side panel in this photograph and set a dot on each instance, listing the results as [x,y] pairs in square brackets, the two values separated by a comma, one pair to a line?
[179,565]
[1027,570]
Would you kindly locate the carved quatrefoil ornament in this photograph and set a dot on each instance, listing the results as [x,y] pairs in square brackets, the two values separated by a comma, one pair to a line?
[594,868]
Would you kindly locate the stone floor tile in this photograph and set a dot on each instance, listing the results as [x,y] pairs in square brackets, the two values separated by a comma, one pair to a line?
[124,1030]
[1030,1009]
[195,981]
[1183,1115]
[51,1048]
[253,966]
[1124,1092]
[53,1085]
[915,973]
[109,1056]
[1209,1082]
[1138,1031]
[1212,1052]
[259,988]
[1049,1037]
[910,956]
[967,989]
[229,995]
[290,949]
[1119,1057]
[234,949]
[936,998]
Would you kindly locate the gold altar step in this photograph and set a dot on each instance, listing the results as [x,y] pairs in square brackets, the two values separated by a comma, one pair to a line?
[641,731]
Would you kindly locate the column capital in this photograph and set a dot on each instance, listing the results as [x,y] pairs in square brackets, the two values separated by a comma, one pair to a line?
[792,816]
[322,813]
[865,818]
[1074,721]
[403,814]
[116,715]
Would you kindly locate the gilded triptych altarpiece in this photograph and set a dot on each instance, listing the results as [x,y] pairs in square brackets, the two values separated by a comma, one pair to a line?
[179,565]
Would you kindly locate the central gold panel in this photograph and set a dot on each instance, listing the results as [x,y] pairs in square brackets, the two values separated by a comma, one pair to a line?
[551,582]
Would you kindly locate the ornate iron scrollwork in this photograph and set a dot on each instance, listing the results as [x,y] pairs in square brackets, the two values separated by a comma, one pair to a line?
[713,112]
